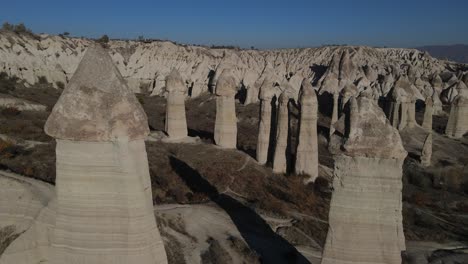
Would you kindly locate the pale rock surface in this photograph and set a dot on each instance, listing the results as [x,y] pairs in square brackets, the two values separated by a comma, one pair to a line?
[346,93]
[307,147]
[457,124]
[428,112]
[334,116]
[225,132]
[366,207]
[176,123]
[8,101]
[281,154]
[146,65]
[426,152]
[264,125]
[102,211]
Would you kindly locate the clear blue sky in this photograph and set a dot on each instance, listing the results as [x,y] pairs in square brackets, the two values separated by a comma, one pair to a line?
[259,23]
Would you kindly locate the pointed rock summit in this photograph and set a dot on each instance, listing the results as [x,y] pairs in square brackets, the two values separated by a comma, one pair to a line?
[97,104]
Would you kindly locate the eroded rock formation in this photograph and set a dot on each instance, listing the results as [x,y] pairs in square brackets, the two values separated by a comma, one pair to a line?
[176,123]
[428,111]
[145,66]
[457,124]
[264,125]
[366,208]
[225,132]
[103,210]
[307,148]
[281,154]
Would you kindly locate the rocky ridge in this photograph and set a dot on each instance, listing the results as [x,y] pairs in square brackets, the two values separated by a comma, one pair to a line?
[146,65]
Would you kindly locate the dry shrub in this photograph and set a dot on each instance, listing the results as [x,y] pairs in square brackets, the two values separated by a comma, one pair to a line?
[454,178]
[28,171]
[420,198]
[10,111]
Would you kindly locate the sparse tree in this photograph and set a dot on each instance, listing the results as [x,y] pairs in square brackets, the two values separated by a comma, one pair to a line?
[66,33]
[20,28]
[103,39]
[7,26]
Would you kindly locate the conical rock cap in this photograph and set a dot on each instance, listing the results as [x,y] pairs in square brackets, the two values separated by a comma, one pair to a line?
[97,104]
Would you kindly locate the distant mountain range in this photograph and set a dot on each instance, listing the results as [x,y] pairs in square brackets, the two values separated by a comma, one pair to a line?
[457,53]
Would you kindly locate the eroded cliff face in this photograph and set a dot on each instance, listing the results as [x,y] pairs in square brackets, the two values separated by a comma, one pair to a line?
[146,65]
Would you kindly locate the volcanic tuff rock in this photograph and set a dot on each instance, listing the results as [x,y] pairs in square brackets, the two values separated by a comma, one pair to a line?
[457,124]
[102,211]
[225,132]
[145,65]
[366,208]
[107,108]
[176,123]
[307,147]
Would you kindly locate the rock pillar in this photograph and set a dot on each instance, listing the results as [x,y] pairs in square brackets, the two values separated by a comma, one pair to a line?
[264,125]
[404,107]
[428,111]
[176,123]
[307,147]
[282,133]
[411,114]
[225,132]
[457,124]
[365,219]
[104,202]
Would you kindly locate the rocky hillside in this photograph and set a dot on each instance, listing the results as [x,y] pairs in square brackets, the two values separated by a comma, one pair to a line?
[145,65]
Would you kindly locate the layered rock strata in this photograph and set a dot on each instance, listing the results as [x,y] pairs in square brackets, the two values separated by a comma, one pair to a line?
[145,65]
[428,112]
[176,123]
[281,154]
[307,147]
[457,124]
[103,210]
[225,132]
[366,207]
[264,125]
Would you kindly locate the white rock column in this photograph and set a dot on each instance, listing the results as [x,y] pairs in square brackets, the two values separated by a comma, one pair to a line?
[307,147]
[104,203]
[394,113]
[225,132]
[365,219]
[264,125]
[457,124]
[411,114]
[404,106]
[176,123]
[428,111]
[282,134]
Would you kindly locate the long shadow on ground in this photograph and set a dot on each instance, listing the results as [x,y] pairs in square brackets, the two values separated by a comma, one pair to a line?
[256,232]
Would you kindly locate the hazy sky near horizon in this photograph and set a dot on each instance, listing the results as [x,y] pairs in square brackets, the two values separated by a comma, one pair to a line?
[259,23]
